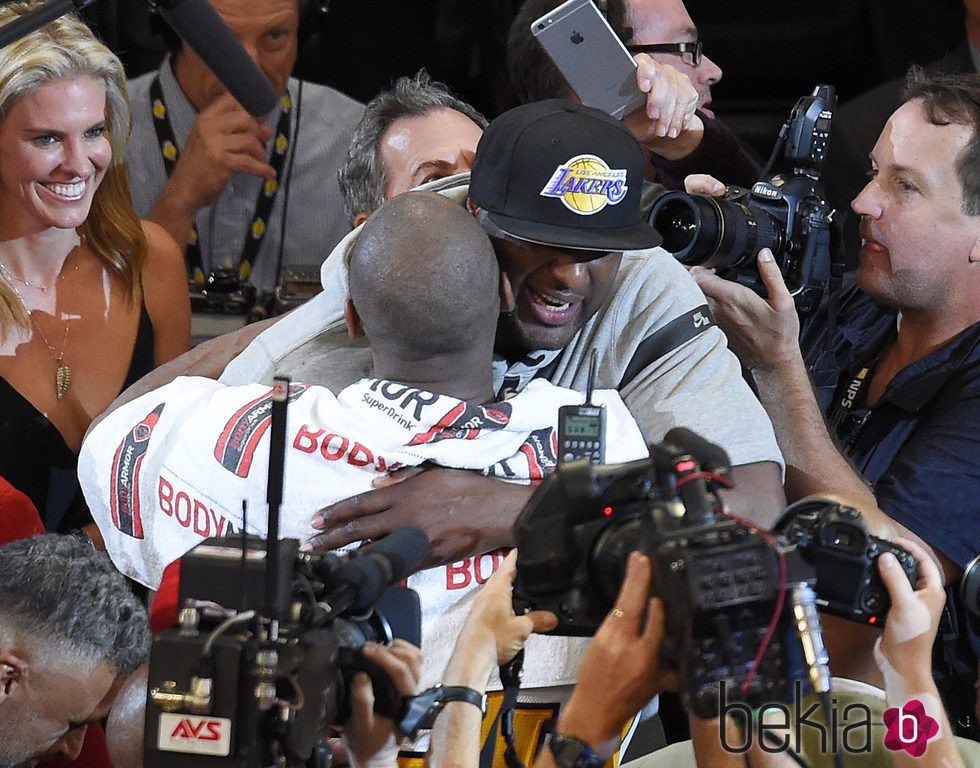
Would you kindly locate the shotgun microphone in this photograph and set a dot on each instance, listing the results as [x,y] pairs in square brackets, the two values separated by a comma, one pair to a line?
[203,30]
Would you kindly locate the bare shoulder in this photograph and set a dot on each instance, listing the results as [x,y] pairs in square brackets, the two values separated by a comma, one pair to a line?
[165,294]
[208,359]
[163,253]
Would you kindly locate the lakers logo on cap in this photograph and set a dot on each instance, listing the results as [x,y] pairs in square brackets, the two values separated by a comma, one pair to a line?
[586,184]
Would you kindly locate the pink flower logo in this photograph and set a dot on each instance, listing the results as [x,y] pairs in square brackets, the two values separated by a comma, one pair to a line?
[909,728]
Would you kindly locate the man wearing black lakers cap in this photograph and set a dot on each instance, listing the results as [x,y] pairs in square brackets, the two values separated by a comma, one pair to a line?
[557,185]
[562,174]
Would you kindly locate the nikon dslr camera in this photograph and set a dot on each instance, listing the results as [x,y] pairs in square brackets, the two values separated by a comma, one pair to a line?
[786,212]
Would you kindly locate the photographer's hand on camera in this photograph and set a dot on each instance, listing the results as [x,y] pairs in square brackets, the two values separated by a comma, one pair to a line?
[704,184]
[621,669]
[904,652]
[492,635]
[668,125]
[225,140]
[368,736]
[762,332]
[462,512]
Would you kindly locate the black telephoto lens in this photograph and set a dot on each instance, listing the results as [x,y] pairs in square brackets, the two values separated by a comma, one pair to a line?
[714,231]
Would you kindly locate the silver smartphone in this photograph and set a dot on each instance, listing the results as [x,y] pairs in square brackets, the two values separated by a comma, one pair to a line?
[594,61]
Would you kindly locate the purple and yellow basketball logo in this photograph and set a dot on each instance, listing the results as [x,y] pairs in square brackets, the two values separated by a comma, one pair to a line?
[586,185]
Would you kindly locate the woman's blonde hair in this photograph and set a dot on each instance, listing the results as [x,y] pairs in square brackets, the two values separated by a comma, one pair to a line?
[66,48]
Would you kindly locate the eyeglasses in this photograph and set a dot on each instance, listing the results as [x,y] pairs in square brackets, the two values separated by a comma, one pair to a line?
[690,52]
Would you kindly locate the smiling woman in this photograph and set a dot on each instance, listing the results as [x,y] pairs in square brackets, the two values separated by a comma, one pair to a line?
[90,297]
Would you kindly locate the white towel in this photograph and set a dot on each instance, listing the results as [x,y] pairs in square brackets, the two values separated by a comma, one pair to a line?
[172,467]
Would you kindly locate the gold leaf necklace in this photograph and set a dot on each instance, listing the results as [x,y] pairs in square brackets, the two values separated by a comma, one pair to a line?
[62,377]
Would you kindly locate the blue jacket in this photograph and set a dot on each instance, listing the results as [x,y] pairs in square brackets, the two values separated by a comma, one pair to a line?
[919,446]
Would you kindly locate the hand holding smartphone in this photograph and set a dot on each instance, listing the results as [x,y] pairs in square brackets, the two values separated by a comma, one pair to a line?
[590,55]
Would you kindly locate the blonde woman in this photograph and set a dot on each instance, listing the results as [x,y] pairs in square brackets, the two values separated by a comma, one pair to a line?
[91,298]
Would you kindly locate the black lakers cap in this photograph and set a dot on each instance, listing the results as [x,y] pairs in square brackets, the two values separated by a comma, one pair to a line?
[562,174]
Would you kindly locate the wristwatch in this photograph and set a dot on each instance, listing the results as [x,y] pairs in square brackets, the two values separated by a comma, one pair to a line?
[424,708]
[570,752]
[449,693]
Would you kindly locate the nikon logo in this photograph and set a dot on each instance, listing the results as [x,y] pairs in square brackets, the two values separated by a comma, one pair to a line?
[764,189]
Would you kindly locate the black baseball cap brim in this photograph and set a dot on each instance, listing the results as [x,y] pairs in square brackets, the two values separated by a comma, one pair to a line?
[632,238]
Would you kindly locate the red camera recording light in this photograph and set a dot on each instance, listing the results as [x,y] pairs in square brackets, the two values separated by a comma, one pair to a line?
[607,511]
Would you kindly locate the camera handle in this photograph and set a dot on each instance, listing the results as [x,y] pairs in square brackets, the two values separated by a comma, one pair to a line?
[807,620]
[274,490]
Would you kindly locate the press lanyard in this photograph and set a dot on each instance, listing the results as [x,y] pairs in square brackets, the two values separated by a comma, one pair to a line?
[258,225]
[849,411]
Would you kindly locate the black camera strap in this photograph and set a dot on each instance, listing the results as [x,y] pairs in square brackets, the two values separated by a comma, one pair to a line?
[503,723]
[954,666]
[258,225]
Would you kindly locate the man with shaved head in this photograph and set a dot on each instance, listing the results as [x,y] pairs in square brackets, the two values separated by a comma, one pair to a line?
[425,292]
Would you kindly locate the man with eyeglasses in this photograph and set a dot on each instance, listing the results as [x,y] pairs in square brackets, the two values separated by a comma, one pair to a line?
[664,31]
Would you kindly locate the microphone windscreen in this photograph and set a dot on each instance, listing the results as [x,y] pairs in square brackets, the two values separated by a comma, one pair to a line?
[404,548]
[387,561]
[203,30]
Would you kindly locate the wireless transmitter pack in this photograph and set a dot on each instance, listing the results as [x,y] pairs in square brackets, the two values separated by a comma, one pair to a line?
[582,428]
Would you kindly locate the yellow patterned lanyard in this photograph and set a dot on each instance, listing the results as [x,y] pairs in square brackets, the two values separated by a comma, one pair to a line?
[258,225]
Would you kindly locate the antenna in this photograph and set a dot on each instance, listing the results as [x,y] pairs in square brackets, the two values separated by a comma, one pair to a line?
[243,600]
[590,384]
[277,461]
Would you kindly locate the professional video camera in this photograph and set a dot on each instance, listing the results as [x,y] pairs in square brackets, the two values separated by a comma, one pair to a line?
[835,540]
[236,685]
[740,610]
[786,212]
[722,581]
